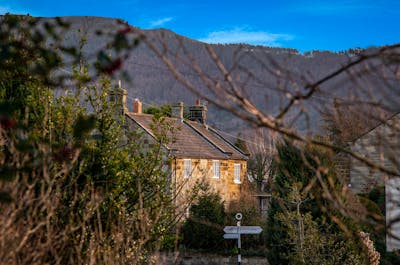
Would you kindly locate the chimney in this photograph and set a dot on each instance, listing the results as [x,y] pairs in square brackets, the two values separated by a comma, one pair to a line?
[198,112]
[137,106]
[177,110]
[118,96]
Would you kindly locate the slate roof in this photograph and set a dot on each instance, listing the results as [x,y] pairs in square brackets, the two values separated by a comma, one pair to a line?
[395,117]
[192,139]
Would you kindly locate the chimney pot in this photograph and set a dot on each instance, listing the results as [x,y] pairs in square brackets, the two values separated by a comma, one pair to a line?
[198,112]
[137,106]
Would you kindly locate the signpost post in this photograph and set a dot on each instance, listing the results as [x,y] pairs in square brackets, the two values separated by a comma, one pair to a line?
[234,232]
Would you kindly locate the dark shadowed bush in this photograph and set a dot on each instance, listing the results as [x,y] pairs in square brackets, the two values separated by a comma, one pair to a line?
[204,228]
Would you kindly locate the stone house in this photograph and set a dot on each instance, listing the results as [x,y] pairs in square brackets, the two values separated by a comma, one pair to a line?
[197,151]
[381,145]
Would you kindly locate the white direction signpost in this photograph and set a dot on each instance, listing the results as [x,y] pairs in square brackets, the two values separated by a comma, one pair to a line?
[231,236]
[234,232]
[242,230]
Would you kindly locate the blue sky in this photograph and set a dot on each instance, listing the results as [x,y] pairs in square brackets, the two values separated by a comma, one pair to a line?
[301,24]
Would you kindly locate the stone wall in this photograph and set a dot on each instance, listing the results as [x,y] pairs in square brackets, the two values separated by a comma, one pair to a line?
[202,169]
[343,166]
[207,259]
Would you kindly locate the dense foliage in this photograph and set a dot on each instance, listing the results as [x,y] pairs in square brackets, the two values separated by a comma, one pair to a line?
[76,188]
[378,234]
[204,228]
[301,230]
[163,110]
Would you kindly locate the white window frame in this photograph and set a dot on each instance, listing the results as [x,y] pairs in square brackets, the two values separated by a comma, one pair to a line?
[187,168]
[236,173]
[216,169]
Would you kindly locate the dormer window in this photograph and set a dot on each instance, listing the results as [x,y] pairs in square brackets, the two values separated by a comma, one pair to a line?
[216,169]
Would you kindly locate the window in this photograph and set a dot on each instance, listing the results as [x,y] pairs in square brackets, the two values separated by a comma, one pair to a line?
[216,171]
[236,173]
[187,167]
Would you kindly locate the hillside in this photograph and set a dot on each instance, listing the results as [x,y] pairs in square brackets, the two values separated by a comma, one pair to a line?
[266,75]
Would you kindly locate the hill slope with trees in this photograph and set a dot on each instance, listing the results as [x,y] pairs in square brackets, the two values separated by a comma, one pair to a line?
[269,76]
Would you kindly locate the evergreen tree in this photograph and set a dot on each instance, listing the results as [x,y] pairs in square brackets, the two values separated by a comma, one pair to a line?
[300,228]
[163,110]
[241,144]
[204,227]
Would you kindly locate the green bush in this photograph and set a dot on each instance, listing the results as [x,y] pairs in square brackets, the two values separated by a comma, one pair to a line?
[204,228]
